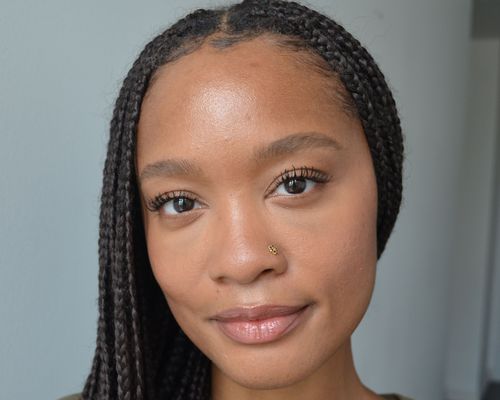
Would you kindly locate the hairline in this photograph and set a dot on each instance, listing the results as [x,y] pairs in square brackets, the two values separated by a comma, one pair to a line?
[291,45]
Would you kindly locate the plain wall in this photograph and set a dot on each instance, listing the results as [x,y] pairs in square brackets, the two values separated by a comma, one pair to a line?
[61,66]
[493,344]
[491,356]
[492,368]
[471,255]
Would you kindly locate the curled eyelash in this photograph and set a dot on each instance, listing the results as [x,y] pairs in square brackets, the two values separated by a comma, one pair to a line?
[302,172]
[158,201]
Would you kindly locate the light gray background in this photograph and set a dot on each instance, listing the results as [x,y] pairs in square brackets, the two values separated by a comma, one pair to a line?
[61,65]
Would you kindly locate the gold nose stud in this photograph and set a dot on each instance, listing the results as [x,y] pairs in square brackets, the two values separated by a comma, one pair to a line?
[273,249]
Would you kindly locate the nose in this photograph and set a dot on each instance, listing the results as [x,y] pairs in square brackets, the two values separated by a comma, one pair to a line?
[241,244]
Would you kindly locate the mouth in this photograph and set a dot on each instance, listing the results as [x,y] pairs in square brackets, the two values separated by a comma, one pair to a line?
[259,324]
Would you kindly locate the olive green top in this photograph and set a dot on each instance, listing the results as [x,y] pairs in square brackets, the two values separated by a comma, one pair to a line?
[76,396]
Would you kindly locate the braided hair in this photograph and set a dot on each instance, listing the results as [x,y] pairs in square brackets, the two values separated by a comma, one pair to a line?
[141,352]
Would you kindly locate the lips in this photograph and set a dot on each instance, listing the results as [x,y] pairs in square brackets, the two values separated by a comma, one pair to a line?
[260,324]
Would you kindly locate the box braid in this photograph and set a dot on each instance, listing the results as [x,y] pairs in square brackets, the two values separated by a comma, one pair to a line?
[141,352]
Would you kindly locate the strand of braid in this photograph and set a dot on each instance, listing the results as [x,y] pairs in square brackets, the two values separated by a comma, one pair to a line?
[98,382]
[141,353]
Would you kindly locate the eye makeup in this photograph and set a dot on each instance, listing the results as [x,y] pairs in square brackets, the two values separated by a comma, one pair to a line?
[184,201]
[301,173]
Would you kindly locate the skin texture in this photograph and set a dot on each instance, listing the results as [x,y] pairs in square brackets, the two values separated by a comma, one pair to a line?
[215,108]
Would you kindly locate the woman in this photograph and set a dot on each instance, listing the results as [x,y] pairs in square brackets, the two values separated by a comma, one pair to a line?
[252,180]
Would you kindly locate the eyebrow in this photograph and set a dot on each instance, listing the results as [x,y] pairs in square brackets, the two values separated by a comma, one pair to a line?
[279,148]
[170,167]
[293,143]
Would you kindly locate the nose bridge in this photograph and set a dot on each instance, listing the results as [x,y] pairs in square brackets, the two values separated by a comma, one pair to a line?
[244,235]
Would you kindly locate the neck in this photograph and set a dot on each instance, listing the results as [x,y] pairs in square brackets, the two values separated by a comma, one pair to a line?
[335,379]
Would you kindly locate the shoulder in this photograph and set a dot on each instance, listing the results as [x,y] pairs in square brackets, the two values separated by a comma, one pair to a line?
[75,396]
[394,396]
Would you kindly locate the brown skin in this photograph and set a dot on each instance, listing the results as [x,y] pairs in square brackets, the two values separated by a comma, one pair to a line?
[214,108]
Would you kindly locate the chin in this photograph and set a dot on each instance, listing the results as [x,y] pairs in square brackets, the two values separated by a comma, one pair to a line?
[270,370]
[268,378]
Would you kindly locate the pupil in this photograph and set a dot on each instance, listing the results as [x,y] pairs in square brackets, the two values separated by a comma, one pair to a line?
[295,185]
[182,204]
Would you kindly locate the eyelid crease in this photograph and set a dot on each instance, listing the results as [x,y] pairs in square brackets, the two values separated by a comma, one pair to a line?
[304,172]
[301,172]
[159,200]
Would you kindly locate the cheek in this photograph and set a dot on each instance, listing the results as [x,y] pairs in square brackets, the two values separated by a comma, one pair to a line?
[339,250]
[171,265]
[178,280]
[179,264]
[178,269]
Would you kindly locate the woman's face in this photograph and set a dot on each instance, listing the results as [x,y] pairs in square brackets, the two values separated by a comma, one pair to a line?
[242,148]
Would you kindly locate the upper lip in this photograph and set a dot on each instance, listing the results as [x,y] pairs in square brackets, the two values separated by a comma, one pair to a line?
[253,313]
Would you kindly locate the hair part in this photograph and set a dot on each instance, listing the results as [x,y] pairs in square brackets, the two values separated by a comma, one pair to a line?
[141,352]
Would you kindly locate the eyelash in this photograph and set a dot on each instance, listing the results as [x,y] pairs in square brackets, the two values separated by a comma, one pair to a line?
[304,172]
[158,201]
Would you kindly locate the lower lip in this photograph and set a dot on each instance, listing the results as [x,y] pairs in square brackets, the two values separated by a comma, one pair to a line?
[261,331]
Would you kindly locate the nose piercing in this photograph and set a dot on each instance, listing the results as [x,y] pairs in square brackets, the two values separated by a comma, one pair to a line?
[273,249]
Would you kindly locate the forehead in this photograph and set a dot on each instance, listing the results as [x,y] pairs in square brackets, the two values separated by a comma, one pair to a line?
[267,60]
[281,53]
[215,94]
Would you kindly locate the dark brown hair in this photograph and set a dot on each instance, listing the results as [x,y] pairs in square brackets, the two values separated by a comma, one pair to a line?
[141,353]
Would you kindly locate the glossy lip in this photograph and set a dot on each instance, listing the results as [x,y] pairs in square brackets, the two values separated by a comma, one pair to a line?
[259,324]
[253,313]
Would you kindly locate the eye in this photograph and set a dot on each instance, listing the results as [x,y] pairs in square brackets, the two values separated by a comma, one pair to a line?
[173,203]
[295,186]
[299,180]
